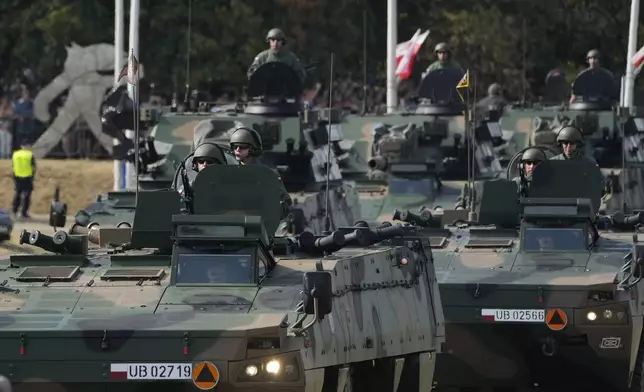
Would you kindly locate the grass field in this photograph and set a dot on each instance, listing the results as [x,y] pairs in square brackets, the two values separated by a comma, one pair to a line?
[80,182]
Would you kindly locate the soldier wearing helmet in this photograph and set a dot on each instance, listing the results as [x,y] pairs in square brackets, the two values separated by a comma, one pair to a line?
[593,61]
[246,144]
[205,154]
[530,159]
[571,141]
[276,52]
[444,55]
[494,99]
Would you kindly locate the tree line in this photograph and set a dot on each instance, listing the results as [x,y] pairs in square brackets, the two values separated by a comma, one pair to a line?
[512,42]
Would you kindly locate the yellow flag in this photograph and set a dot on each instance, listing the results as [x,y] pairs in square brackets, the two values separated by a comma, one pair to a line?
[465,81]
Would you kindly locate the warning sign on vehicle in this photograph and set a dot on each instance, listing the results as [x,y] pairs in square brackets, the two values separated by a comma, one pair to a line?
[205,376]
[556,319]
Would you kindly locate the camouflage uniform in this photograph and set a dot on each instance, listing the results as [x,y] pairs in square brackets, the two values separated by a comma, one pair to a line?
[494,100]
[250,137]
[572,134]
[277,55]
[449,63]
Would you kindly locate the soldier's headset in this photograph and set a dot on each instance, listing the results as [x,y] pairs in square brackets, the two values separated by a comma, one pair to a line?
[254,152]
[194,163]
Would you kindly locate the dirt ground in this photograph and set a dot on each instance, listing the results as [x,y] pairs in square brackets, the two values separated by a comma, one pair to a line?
[80,182]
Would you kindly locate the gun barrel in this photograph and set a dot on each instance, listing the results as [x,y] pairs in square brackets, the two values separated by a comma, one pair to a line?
[378,163]
[93,234]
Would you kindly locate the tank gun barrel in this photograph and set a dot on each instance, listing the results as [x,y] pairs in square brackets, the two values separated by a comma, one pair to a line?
[91,233]
[378,163]
[622,222]
[61,242]
[309,242]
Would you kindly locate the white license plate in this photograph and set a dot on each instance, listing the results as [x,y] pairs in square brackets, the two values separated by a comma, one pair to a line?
[514,315]
[151,371]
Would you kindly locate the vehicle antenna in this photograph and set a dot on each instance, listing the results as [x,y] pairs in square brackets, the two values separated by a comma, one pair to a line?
[472,146]
[364,59]
[185,97]
[327,221]
[137,135]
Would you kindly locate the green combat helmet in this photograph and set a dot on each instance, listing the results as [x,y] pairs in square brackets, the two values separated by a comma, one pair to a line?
[570,134]
[533,155]
[248,137]
[208,151]
[441,47]
[275,34]
[593,53]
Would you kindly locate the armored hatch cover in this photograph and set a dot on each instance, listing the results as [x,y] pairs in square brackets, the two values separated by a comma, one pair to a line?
[274,82]
[576,179]
[594,89]
[253,190]
[439,87]
[557,89]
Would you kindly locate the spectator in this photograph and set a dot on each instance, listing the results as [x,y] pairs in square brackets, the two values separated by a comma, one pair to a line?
[23,110]
[24,170]
[6,120]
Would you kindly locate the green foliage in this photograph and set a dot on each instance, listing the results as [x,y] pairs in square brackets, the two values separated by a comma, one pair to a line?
[499,40]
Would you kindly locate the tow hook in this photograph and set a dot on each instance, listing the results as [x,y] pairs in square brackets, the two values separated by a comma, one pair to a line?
[548,347]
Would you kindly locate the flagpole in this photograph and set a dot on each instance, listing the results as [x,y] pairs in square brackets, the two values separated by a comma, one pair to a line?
[392,40]
[629,84]
[119,166]
[130,173]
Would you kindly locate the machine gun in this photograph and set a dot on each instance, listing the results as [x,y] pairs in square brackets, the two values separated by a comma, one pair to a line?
[61,242]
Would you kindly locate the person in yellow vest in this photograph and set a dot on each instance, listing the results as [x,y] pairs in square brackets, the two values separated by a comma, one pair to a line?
[24,169]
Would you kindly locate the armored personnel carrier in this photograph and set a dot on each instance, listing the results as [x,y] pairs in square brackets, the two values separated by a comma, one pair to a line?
[539,293]
[591,105]
[213,299]
[295,142]
[419,156]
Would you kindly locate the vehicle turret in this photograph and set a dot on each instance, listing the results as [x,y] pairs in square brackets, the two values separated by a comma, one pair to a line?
[594,90]
[274,89]
[438,94]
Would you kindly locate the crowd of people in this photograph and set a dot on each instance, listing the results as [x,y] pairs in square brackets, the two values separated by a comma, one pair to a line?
[17,122]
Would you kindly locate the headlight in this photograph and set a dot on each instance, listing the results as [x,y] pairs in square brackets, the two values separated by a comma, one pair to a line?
[251,370]
[614,314]
[284,368]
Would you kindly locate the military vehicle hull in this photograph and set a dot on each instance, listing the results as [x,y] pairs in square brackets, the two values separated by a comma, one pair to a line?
[535,297]
[107,335]
[358,309]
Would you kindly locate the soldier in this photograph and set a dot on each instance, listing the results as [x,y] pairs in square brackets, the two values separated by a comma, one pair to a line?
[443,53]
[246,144]
[277,39]
[494,99]
[205,154]
[530,159]
[592,58]
[571,141]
